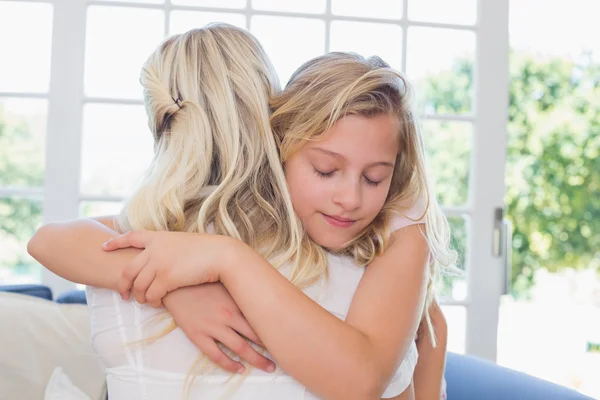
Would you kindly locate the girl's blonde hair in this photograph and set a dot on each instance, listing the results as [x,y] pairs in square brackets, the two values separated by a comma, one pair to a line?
[327,88]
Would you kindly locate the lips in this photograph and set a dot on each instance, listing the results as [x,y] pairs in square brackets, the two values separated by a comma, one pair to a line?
[338,222]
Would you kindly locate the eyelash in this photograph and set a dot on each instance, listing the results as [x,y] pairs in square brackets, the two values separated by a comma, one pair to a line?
[323,174]
[370,182]
[330,174]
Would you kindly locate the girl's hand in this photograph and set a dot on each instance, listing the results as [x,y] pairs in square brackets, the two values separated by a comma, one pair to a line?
[208,315]
[170,260]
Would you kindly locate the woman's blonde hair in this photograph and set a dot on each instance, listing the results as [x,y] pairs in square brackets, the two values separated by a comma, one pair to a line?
[216,166]
[327,88]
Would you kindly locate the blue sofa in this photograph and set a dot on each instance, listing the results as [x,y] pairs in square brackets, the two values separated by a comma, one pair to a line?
[468,378]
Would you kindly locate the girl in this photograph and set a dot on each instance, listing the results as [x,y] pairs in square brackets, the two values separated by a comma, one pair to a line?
[350,214]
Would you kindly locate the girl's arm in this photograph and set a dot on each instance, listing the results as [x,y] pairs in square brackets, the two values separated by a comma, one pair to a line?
[207,314]
[72,250]
[354,359]
[430,367]
[359,357]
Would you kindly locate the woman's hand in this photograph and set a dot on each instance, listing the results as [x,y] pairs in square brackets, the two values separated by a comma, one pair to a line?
[170,260]
[207,314]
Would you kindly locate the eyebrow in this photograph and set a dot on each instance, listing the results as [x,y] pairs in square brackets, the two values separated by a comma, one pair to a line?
[337,155]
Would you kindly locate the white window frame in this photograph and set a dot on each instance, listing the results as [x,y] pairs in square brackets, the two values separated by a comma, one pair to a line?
[61,191]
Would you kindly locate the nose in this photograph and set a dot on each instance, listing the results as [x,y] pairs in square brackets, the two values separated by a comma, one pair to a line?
[348,195]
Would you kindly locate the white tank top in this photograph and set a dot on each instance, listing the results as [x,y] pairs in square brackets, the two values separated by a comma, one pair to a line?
[159,370]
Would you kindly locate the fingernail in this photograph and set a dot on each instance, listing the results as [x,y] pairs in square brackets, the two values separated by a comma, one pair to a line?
[271,368]
[104,245]
[241,369]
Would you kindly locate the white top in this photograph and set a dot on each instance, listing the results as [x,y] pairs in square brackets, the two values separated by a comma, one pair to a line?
[159,370]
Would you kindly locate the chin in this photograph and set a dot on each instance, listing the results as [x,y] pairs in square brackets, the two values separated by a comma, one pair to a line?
[328,243]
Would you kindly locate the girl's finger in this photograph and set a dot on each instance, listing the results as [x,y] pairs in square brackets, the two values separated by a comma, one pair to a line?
[142,283]
[138,239]
[131,271]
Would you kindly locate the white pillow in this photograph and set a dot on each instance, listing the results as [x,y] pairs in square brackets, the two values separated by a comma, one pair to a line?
[60,387]
[36,337]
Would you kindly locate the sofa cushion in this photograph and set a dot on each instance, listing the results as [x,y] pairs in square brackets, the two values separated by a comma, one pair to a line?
[38,336]
[72,297]
[470,378]
[41,291]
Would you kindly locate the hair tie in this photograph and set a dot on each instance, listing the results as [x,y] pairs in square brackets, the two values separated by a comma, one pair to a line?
[177,101]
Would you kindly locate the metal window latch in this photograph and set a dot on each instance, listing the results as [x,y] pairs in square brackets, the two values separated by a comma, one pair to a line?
[502,246]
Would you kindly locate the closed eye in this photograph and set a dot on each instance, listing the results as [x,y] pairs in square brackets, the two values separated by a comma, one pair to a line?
[370,182]
[324,174]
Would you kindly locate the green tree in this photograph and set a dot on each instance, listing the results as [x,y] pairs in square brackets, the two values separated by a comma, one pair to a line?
[553,168]
[20,166]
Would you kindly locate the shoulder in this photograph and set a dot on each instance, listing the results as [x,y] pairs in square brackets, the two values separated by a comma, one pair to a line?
[411,215]
[110,221]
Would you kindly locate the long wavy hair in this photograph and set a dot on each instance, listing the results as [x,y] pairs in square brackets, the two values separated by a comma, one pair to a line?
[216,166]
[327,88]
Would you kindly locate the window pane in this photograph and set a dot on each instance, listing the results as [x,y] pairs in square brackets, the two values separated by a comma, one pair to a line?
[575,37]
[552,185]
[25,45]
[183,21]
[440,62]
[448,147]
[211,3]
[22,141]
[387,9]
[19,219]
[304,6]
[364,38]
[462,12]
[562,314]
[289,41]
[117,149]
[90,209]
[456,316]
[115,52]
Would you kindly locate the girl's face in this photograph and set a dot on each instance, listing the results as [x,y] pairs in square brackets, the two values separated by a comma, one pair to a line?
[339,184]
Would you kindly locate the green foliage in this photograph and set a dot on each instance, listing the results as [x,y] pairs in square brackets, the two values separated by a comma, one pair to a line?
[20,167]
[553,168]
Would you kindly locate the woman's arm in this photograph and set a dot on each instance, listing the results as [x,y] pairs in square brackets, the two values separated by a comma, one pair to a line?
[354,359]
[432,360]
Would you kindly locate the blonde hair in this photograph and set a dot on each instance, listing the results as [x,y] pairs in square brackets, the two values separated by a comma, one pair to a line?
[327,88]
[216,166]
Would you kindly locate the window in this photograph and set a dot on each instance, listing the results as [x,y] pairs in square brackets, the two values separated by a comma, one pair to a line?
[24,87]
[75,143]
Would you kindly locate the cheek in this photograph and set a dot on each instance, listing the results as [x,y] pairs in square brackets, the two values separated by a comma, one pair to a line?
[302,187]
[374,203]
